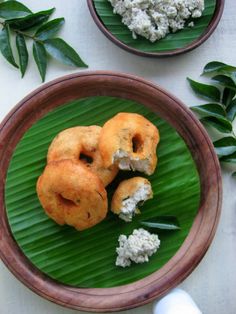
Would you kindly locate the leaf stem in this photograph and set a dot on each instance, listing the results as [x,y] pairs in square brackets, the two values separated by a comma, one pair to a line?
[25,35]
[22,33]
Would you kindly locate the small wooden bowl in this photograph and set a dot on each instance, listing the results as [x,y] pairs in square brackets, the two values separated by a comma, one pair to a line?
[86,84]
[209,30]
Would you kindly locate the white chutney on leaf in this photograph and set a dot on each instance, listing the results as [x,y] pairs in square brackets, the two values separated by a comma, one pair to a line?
[137,247]
[154,19]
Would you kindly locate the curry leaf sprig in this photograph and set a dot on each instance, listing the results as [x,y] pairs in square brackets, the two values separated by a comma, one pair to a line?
[220,112]
[19,23]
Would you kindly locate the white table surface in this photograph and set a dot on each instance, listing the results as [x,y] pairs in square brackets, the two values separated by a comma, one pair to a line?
[213,282]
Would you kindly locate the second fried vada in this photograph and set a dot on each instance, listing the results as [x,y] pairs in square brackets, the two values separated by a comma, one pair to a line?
[129,140]
[71,194]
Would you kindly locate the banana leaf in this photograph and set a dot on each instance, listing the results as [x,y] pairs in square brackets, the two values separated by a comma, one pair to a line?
[87,258]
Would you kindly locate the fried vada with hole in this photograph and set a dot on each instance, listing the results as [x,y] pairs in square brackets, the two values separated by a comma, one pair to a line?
[129,140]
[80,144]
[71,194]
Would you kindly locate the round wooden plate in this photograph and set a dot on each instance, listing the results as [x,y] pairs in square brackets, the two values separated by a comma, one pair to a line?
[86,84]
[194,44]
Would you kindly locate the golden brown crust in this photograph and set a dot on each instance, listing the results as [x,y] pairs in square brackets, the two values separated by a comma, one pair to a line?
[127,189]
[71,194]
[130,133]
[76,144]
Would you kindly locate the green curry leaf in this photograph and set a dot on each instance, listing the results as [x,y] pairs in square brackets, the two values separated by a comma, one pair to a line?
[13,9]
[5,46]
[162,223]
[49,29]
[22,53]
[64,53]
[40,57]
[205,91]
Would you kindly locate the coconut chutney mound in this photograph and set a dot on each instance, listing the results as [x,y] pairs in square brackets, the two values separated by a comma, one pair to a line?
[137,247]
[154,19]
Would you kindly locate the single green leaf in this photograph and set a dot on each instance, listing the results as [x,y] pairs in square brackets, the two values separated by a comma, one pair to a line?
[205,91]
[40,57]
[225,146]
[216,66]
[225,80]
[231,110]
[230,158]
[227,96]
[207,110]
[22,52]
[162,222]
[64,53]
[30,21]
[13,9]
[5,46]
[49,29]
[221,124]
[213,66]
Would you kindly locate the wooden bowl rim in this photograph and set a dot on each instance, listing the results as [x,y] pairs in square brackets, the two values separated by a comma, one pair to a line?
[193,248]
[196,43]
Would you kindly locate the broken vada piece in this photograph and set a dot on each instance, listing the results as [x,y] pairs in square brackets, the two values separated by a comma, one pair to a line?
[129,140]
[128,195]
[80,144]
[71,194]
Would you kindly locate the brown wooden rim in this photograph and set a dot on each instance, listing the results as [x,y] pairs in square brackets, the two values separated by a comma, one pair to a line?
[206,34]
[86,84]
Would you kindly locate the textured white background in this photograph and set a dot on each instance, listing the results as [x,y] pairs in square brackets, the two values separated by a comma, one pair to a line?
[213,283]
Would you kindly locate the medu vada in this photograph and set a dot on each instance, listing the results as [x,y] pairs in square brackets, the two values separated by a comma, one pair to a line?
[128,195]
[80,144]
[71,194]
[129,140]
